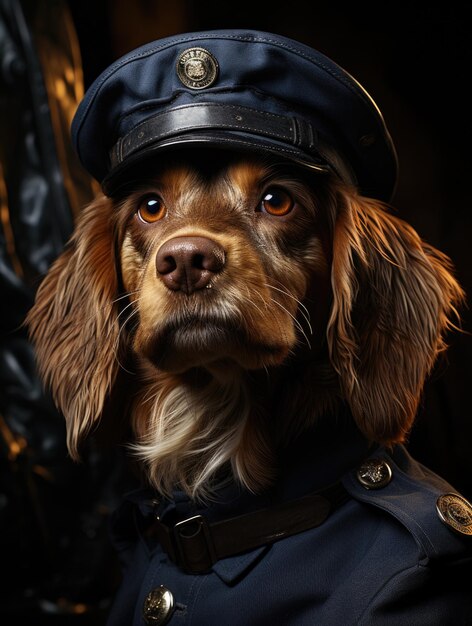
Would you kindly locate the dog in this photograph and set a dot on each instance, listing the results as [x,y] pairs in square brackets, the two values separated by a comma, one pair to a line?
[266,330]
[221,286]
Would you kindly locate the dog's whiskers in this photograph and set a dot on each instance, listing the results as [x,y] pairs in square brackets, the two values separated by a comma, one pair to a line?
[295,321]
[290,295]
[122,297]
[302,308]
[116,343]
[130,304]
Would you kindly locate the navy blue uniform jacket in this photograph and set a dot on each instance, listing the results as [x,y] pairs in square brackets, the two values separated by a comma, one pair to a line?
[384,557]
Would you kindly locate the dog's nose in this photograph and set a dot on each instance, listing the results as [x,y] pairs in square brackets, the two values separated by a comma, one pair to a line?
[189,263]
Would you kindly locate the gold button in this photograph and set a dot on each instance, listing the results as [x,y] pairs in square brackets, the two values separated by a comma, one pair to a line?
[456,512]
[374,474]
[158,606]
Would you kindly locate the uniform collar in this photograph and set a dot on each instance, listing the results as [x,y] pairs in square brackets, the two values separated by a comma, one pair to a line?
[317,459]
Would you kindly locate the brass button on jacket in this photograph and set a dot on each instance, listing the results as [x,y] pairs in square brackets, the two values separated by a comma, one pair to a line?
[374,474]
[158,606]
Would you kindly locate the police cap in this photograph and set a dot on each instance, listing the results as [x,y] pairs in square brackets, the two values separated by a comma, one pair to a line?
[236,89]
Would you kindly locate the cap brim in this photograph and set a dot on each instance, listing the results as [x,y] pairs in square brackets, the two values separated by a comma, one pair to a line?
[222,140]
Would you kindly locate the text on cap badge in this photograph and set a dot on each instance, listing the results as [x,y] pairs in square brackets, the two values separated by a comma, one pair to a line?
[456,512]
[197,68]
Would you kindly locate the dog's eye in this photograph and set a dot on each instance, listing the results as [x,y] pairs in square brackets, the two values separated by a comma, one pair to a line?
[151,209]
[277,201]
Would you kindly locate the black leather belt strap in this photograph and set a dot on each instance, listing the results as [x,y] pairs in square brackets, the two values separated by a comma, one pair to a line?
[195,545]
[204,116]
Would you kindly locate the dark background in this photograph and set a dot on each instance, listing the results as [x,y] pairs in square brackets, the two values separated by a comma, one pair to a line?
[415,62]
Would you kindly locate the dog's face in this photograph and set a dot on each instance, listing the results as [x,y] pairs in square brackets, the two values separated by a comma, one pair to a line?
[232,299]
[218,260]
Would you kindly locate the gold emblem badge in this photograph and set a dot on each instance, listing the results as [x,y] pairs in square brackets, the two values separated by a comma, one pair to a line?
[197,68]
[456,512]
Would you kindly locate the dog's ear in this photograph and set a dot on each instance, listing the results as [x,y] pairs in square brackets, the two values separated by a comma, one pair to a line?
[394,298]
[74,322]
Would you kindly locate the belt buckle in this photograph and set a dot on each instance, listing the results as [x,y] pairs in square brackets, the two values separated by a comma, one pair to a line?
[194,544]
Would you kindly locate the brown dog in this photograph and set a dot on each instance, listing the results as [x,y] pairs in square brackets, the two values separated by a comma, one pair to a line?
[246,300]
[222,281]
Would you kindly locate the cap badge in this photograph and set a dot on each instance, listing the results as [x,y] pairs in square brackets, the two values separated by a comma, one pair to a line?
[197,68]
[456,512]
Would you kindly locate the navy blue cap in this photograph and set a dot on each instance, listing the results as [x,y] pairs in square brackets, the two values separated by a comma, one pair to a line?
[242,89]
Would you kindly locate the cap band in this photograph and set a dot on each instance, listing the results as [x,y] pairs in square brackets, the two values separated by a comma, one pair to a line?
[290,130]
[233,89]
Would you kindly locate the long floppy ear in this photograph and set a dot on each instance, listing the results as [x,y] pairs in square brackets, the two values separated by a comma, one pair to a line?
[394,298]
[74,322]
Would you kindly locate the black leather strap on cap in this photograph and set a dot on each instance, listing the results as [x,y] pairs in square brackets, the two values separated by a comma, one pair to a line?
[296,132]
[195,545]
